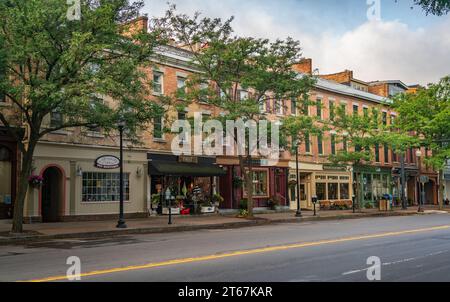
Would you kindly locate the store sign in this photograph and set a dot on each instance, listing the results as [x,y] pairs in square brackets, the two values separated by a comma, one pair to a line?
[188,159]
[424,179]
[107,162]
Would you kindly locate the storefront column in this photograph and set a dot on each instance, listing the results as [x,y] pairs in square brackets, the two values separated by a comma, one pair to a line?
[73,188]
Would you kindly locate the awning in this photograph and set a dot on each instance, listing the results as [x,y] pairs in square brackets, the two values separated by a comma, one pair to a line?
[182,169]
[170,165]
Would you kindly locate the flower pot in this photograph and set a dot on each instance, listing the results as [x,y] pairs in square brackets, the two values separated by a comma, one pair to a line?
[175,211]
[205,210]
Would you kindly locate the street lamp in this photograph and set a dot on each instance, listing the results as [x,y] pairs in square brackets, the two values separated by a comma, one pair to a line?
[421,185]
[168,201]
[299,210]
[121,223]
[403,180]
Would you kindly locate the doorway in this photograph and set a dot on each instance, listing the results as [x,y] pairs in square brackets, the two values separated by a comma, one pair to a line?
[7,181]
[52,195]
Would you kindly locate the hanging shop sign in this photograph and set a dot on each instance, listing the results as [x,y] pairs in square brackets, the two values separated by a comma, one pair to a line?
[107,162]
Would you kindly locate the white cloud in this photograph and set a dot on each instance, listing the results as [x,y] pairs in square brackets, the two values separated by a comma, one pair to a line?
[382,50]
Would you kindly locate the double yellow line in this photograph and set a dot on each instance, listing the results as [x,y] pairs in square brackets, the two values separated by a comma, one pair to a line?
[242,253]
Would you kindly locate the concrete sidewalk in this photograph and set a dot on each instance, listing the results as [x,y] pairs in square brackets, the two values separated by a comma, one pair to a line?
[159,224]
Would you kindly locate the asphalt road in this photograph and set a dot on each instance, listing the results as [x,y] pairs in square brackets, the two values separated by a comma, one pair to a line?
[413,248]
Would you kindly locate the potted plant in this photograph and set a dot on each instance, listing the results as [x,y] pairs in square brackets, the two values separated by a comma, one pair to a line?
[273,202]
[36,181]
[207,207]
[217,200]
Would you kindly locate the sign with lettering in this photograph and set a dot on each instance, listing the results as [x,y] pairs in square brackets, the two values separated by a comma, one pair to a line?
[188,159]
[107,162]
[424,179]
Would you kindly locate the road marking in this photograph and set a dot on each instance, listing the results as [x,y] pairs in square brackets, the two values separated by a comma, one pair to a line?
[242,253]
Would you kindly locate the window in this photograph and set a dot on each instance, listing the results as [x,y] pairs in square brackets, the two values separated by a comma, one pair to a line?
[366,112]
[411,155]
[331,108]
[355,109]
[263,104]
[386,154]
[385,118]
[56,119]
[157,82]
[392,119]
[344,144]
[158,129]
[279,107]
[319,108]
[320,144]
[321,191]
[181,87]
[98,187]
[293,106]
[243,95]
[344,188]
[307,144]
[333,144]
[377,153]
[305,108]
[394,157]
[260,183]
[333,191]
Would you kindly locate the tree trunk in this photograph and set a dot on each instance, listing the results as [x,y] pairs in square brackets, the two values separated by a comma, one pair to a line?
[248,180]
[25,171]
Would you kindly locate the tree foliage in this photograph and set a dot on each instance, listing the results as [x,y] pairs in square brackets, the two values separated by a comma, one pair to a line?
[242,74]
[86,70]
[434,7]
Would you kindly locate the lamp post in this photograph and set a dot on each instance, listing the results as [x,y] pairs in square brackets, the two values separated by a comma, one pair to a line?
[403,181]
[421,185]
[121,223]
[299,210]
[168,201]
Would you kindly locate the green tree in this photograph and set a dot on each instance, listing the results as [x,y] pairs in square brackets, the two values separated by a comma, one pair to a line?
[72,67]
[359,135]
[243,73]
[427,114]
[434,7]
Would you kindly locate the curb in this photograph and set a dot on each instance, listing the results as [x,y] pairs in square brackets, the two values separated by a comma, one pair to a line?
[184,228]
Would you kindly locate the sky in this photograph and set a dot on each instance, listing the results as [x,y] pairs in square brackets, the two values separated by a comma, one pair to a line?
[389,41]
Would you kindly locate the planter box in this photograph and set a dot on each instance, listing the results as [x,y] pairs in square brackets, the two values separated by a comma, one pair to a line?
[175,211]
[205,210]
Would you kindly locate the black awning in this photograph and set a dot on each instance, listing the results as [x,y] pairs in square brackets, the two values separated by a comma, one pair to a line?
[170,166]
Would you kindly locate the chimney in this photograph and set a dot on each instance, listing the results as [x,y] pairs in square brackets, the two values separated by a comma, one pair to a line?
[137,25]
[304,66]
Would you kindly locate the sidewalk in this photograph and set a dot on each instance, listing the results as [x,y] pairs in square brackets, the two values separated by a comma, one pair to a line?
[149,225]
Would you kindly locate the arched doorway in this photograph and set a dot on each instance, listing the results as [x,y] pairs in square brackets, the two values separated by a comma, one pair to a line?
[52,195]
[6,182]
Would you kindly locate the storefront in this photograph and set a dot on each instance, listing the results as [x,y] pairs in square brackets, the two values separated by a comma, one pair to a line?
[374,184]
[75,188]
[270,184]
[8,173]
[331,184]
[183,182]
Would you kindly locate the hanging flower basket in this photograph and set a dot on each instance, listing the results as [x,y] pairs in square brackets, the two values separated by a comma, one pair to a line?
[36,181]
[237,181]
[292,182]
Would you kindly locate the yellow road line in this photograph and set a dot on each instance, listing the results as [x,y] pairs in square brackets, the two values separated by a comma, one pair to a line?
[243,252]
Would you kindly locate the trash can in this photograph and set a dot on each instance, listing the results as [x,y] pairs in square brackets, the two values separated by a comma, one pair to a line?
[383,205]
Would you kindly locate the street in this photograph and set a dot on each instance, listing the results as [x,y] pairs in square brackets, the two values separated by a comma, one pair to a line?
[413,248]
